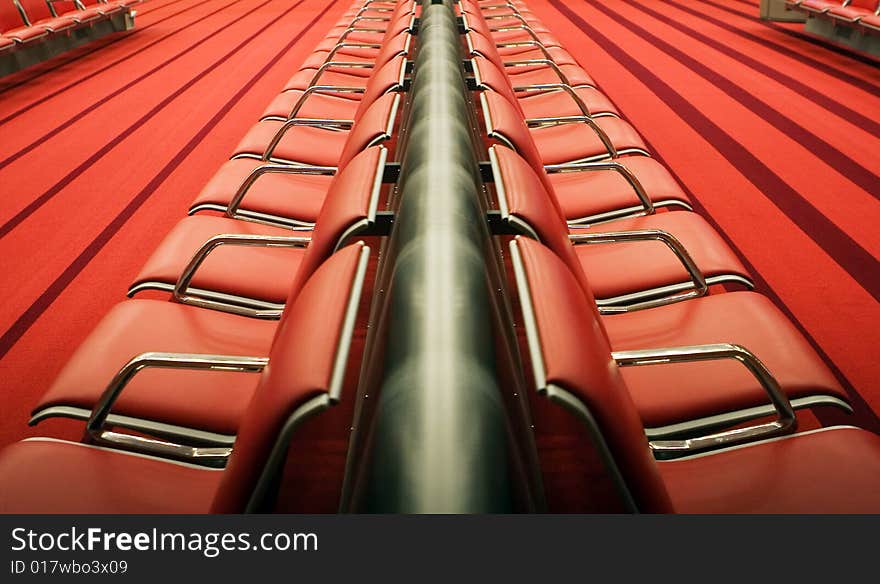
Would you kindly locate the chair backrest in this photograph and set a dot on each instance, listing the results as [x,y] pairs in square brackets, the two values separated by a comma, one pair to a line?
[570,352]
[489,76]
[523,201]
[351,203]
[63,6]
[389,77]
[36,9]
[10,17]
[480,44]
[374,126]
[505,124]
[304,376]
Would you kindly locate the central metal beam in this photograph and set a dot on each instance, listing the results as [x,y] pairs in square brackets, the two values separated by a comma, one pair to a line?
[439,439]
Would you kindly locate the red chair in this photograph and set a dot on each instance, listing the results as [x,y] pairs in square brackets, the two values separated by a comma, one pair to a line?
[302,142]
[185,406]
[818,6]
[833,470]
[629,261]
[6,44]
[232,263]
[37,13]
[854,10]
[302,377]
[14,27]
[76,10]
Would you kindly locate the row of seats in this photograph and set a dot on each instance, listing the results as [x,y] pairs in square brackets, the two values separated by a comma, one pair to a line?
[689,389]
[25,23]
[862,14]
[190,399]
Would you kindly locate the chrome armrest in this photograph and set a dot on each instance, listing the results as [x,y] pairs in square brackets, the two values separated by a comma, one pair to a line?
[238,197]
[315,123]
[183,282]
[784,423]
[700,286]
[621,169]
[198,454]
[588,120]
[376,18]
[344,65]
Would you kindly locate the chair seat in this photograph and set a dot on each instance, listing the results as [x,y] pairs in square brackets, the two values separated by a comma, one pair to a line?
[6,43]
[207,400]
[536,75]
[829,471]
[849,13]
[333,107]
[52,476]
[511,36]
[671,393]
[293,196]
[615,269]
[26,34]
[111,7]
[264,274]
[871,21]
[57,24]
[559,55]
[820,6]
[560,103]
[305,78]
[585,194]
[300,144]
[578,141]
[88,15]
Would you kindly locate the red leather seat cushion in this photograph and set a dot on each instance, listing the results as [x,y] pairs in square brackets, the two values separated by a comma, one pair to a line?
[543,74]
[619,268]
[27,33]
[560,103]
[250,272]
[850,12]
[87,15]
[6,43]
[820,5]
[296,196]
[212,400]
[47,476]
[338,78]
[871,21]
[670,393]
[568,142]
[316,105]
[512,36]
[57,24]
[301,144]
[830,471]
[582,194]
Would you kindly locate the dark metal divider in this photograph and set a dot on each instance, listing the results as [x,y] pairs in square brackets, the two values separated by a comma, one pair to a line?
[437,440]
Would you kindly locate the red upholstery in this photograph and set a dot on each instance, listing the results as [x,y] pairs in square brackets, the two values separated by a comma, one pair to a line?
[529,75]
[585,194]
[295,196]
[666,394]
[66,8]
[14,28]
[577,358]
[854,10]
[830,471]
[38,14]
[651,264]
[870,22]
[188,399]
[48,476]
[820,6]
[561,143]
[265,274]
[6,44]
[319,146]
[259,273]
[316,105]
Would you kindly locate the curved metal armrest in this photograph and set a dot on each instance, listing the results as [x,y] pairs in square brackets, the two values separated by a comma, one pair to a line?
[549,87]
[701,288]
[238,197]
[785,417]
[377,18]
[603,136]
[327,124]
[203,455]
[344,65]
[180,288]
[621,169]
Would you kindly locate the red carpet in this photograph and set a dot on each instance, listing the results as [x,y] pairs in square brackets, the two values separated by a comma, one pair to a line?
[773,135]
[104,148]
